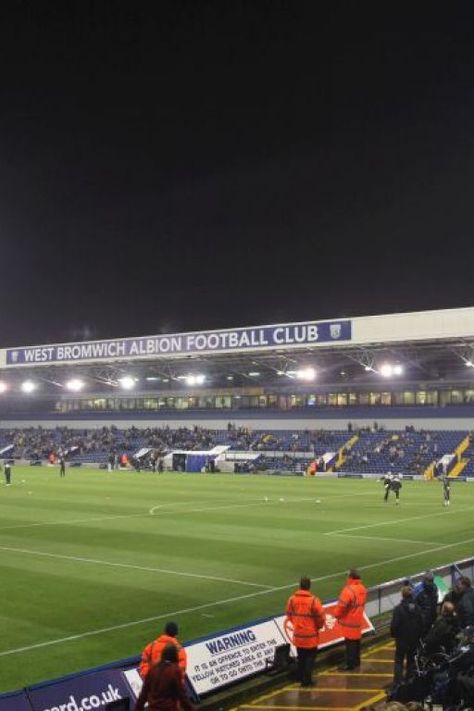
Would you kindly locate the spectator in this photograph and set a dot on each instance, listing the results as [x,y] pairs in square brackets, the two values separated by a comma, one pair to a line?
[406,627]
[465,606]
[426,597]
[163,688]
[442,636]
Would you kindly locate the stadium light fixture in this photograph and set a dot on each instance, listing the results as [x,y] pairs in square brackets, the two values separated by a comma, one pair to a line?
[195,379]
[127,382]
[254,374]
[306,374]
[386,370]
[3,387]
[28,386]
[75,385]
[469,363]
[230,377]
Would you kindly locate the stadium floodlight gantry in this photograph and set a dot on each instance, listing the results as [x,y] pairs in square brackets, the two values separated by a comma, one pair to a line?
[342,362]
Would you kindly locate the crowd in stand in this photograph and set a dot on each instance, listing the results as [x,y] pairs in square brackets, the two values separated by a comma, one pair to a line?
[435,644]
[408,452]
[375,450]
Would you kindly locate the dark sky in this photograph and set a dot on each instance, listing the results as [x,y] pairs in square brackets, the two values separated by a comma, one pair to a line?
[190,165]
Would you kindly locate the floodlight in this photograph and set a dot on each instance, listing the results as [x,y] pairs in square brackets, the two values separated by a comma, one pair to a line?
[195,379]
[398,369]
[469,363]
[368,368]
[127,382]
[3,387]
[151,377]
[254,374]
[75,384]
[28,386]
[306,374]
[230,377]
[386,370]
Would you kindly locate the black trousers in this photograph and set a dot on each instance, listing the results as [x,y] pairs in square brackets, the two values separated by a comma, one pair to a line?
[402,653]
[306,659]
[352,653]
[7,476]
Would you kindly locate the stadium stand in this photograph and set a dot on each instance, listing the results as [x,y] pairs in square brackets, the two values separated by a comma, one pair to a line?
[408,452]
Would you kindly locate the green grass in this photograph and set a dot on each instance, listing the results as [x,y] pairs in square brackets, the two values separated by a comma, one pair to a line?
[83,557]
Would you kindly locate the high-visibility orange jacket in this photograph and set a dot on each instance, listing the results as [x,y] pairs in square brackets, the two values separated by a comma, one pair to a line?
[306,615]
[153,651]
[350,608]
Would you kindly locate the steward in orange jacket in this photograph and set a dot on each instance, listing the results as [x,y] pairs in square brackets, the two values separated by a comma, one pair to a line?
[153,651]
[349,613]
[305,614]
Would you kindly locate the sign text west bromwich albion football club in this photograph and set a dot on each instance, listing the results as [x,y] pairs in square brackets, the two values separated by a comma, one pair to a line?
[226,341]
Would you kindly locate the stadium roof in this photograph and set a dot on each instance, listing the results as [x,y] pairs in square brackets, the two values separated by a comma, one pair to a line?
[429,344]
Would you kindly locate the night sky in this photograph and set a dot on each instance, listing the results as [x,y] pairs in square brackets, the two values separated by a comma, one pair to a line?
[192,165]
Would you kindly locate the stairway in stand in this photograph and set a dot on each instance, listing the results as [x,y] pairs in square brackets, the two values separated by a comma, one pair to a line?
[336,690]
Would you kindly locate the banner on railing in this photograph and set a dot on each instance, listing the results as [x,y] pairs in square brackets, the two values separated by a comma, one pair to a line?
[330,634]
[15,702]
[80,693]
[232,656]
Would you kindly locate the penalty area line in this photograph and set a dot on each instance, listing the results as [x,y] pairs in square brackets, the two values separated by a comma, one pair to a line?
[394,521]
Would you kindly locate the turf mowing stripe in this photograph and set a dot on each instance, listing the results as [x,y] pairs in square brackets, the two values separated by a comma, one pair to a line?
[71,521]
[226,601]
[400,520]
[148,513]
[78,559]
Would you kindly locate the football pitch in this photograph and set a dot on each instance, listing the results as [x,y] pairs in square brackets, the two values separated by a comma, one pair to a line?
[94,564]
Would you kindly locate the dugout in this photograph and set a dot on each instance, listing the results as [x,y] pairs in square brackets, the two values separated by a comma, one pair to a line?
[181,460]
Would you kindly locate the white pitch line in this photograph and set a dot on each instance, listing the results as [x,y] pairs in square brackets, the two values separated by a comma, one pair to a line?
[226,601]
[392,540]
[130,566]
[399,520]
